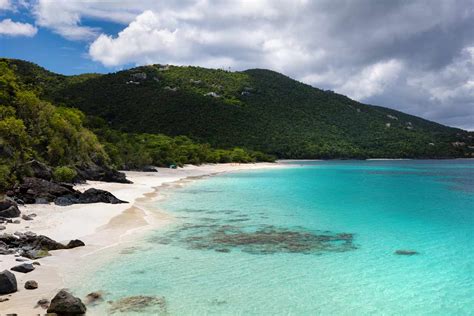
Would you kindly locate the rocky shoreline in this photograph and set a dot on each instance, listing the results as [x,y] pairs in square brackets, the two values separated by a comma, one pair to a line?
[69,222]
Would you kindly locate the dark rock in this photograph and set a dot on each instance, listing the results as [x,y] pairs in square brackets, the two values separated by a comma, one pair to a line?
[7,282]
[4,299]
[32,246]
[23,268]
[75,243]
[36,190]
[39,170]
[147,169]
[97,173]
[26,217]
[31,285]
[95,196]
[65,303]
[89,196]
[2,227]
[16,221]
[43,303]
[21,259]
[9,209]
[406,252]
[94,297]
[36,263]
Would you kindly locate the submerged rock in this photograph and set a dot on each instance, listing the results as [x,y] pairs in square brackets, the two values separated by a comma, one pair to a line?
[257,240]
[139,303]
[64,303]
[7,282]
[94,297]
[406,252]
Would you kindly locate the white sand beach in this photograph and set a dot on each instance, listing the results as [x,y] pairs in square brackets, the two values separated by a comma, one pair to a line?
[104,228]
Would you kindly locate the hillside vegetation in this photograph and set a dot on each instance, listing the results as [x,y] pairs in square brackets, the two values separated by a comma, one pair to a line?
[255,109]
[63,138]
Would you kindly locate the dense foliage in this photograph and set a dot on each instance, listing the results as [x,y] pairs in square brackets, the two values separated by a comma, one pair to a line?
[255,109]
[32,128]
[134,151]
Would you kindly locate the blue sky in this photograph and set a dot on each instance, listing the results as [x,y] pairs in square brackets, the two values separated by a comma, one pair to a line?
[413,56]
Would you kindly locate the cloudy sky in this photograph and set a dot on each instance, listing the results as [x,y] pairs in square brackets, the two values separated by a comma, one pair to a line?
[414,56]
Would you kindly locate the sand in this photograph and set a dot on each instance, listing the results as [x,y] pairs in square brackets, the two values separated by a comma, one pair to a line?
[105,229]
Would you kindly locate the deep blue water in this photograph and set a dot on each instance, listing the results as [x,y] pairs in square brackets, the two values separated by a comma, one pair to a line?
[317,238]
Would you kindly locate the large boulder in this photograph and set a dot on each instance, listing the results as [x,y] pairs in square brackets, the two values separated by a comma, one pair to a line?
[64,303]
[9,209]
[7,282]
[36,190]
[23,268]
[75,243]
[89,196]
[95,196]
[98,173]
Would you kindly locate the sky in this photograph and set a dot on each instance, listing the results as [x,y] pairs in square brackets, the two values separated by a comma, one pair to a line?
[412,56]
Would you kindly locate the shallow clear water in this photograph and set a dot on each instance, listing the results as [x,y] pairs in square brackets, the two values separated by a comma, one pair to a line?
[283,256]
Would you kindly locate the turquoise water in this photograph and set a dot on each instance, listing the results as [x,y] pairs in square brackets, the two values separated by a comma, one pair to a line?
[318,238]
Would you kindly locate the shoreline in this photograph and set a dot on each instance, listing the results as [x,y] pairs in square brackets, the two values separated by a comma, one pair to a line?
[104,228]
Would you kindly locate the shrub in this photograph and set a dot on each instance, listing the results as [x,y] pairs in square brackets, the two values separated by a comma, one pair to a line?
[64,174]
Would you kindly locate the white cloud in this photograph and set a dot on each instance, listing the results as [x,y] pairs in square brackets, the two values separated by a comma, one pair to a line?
[5,5]
[372,80]
[406,55]
[11,28]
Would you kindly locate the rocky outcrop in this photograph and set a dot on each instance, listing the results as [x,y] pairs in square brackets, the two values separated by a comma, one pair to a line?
[32,246]
[7,282]
[97,173]
[9,209]
[23,268]
[89,196]
[35,190]
[64,303]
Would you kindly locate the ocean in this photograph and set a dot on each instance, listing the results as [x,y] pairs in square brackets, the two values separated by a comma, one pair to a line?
[312,238]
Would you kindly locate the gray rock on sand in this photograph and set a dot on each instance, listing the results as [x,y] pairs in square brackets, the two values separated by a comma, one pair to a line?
[406,252]
[7,282]
[64,303]
[23,268]
[43,303]
[75,243]
[31,285]
[9,209]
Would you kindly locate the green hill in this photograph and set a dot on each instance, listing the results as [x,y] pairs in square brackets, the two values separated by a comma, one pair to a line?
[256,109]
[73,147]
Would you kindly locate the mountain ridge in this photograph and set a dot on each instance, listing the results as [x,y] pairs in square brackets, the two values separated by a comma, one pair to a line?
[257,109]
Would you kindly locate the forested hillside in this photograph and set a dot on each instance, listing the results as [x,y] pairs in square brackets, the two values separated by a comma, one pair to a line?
[254,109]
[34,131]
